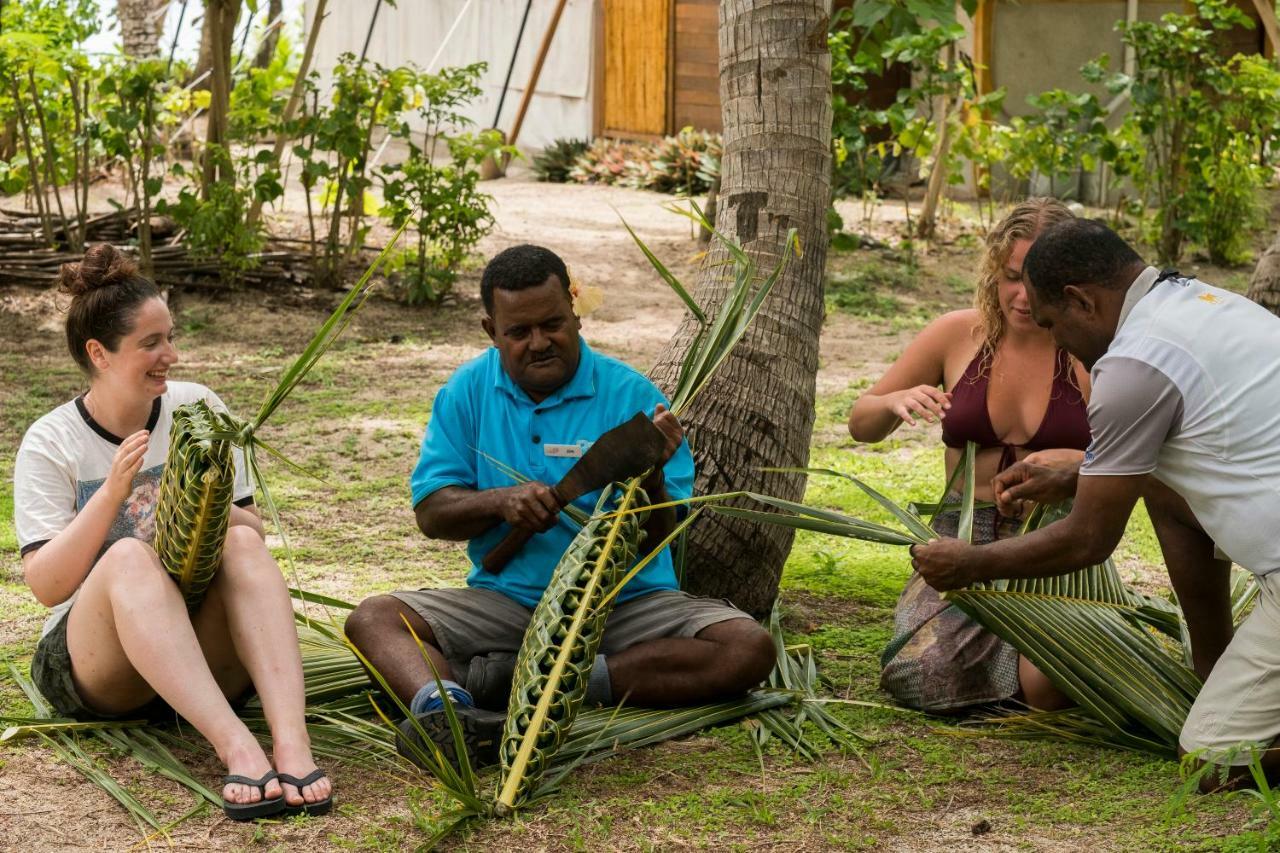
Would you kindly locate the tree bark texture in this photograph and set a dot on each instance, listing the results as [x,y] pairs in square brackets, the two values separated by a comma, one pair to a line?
[220,24]
[267,49]
[141,23]
[1264,287]
[775,95]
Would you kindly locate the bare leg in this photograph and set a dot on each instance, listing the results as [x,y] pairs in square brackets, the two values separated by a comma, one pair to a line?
[1037,690]
[130,638]
[376,629]
[249,612]
[723,660]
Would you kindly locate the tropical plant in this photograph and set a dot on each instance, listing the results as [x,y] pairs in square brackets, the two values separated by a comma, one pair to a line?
[196,485]
[131,94]
[442,200]
[607,161]
[555,161]
[685,164]
[1191,107]
[44,141]
[1063,134]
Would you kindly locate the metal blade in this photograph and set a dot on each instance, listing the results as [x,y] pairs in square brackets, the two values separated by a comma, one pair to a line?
[623,452]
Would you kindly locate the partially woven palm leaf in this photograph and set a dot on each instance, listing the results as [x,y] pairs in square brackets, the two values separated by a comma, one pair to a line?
[1097,640]
[1093,638]
[196,488]
[195,498]
[560,647]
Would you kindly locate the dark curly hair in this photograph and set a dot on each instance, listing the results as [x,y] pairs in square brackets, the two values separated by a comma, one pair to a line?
[106,290]
[1076,252]
[520,267]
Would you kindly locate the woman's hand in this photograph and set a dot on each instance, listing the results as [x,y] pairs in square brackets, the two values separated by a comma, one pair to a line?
[923,401]
[126,465]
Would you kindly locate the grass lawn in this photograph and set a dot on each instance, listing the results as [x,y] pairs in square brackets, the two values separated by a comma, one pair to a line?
[359,420]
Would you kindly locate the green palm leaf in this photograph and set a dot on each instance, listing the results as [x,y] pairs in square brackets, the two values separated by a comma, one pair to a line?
[194,507]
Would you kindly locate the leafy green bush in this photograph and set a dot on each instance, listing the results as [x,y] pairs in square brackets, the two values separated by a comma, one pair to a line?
[555,161]
[1198,120]
[443,200]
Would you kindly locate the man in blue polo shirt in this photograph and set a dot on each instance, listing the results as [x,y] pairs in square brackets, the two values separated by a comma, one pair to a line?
[533,403]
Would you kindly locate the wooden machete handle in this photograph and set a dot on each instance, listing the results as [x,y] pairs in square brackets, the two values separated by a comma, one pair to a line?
[499,555]
[502,553]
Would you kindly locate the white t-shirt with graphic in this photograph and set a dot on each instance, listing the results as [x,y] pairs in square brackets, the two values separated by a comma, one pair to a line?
[65,458]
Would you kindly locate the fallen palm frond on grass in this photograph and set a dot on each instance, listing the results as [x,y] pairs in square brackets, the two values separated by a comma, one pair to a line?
[343,729]
[128,738]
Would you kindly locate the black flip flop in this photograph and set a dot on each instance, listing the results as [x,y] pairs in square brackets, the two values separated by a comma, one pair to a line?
[319,807]
[249,811]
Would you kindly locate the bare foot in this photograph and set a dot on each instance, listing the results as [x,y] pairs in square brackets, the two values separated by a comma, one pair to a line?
[294,759]
[248,760]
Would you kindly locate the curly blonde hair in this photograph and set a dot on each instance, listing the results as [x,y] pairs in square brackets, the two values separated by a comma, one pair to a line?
[1025,221]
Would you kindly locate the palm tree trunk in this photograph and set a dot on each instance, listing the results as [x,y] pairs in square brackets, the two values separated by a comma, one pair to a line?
[141,24]
[775,92]
[1264,287]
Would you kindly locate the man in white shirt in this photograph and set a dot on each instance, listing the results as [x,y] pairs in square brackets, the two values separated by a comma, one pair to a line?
[1185,412]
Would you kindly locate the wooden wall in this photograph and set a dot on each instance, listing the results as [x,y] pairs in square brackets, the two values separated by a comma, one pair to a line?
[636,42]
[695,91]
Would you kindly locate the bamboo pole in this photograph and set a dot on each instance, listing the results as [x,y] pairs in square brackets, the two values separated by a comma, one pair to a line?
[543,49]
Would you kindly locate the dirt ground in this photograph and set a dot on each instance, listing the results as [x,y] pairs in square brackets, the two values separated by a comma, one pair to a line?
[44,805]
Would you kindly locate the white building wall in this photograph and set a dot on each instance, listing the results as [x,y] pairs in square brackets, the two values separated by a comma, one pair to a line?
[414,31]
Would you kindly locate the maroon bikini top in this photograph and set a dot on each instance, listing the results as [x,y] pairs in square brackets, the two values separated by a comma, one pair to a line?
[1065,423]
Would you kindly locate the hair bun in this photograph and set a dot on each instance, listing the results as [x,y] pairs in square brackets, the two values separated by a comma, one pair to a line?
[102,266]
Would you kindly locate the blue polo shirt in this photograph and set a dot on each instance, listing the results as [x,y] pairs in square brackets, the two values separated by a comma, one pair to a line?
[480,408]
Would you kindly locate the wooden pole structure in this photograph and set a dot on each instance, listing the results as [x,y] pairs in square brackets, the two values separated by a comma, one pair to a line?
[1269,23]
[533,77]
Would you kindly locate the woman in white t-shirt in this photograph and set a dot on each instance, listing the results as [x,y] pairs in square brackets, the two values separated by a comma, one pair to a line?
[120,637]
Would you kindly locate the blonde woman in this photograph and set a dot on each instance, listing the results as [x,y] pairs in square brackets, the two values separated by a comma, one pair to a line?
[990,375]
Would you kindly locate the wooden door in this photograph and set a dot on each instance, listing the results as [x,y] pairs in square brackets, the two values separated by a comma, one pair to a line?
[636,42]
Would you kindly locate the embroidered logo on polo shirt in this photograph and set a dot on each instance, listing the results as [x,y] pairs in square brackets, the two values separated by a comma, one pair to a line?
[1210,298]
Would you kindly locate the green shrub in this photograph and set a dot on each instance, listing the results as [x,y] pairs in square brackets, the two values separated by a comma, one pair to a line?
[557,159]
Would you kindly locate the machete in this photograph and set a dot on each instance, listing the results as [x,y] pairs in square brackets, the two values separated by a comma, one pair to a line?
[623,452]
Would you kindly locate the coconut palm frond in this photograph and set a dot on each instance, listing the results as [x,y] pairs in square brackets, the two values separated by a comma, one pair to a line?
[559,648]
[197,482]
[802,517]
[1096,640]
[797,672]
[718,335]
[126,738]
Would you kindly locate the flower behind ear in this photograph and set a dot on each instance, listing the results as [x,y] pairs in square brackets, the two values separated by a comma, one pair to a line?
[586,299]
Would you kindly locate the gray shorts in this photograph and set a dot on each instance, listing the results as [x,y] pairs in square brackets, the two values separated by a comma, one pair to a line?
[475,621]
